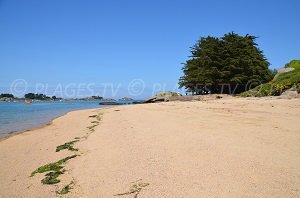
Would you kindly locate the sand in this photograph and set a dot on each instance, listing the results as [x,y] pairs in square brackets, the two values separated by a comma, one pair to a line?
[233,147]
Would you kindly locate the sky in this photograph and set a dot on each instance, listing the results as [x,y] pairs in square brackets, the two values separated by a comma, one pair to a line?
[116,48]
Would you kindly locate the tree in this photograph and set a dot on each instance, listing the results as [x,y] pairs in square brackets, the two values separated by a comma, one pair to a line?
[29,96]
[6,95]
[33,96]
[224,65]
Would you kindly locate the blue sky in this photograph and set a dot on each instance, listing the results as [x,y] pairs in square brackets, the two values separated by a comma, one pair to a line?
[52,43]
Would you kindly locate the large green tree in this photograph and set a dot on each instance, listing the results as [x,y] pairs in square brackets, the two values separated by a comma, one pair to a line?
[224,65]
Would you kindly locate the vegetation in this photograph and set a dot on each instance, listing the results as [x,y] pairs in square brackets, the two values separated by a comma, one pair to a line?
[36,96]
[91,128]
[6,95]
[51,177]
[224,65]
[167,93]
[293,64]
[33,96]
[285,81]
[97,97]
[92,98]
[134,189]
[95,122]
[97,116]
[66,189]
[54,170]
[67,145]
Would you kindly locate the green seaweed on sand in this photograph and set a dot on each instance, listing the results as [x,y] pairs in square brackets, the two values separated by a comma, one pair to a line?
[95,122]
[55,169]
[134,189]
[51,177]
[97,116]
[90,127]
[67,145]
[66,189]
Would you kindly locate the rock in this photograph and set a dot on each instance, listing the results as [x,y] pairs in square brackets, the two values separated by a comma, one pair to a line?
[108,99]
[282,71]
[110,103]
[137,102]
[162,97]
[5,99]
[168,98]
[126,99]
[150,100]
[290,94]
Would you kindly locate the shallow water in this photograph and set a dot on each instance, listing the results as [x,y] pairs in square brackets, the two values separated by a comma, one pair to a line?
[17,116]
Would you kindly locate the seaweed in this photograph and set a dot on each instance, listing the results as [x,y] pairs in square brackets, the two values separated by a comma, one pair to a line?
[55,169]
[67,145]
[66,189]
[51,177]
[134,189]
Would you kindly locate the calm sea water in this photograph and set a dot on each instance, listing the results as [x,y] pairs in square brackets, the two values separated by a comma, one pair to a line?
[17,116]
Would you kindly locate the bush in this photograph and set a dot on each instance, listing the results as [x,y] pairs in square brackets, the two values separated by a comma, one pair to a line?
[294,64]
[282,83]
[6,95]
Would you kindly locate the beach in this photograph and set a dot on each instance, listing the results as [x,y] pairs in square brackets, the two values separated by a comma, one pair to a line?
[230,147]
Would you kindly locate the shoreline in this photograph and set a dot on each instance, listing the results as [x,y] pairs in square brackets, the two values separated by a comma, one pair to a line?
[8,133]
[12,134]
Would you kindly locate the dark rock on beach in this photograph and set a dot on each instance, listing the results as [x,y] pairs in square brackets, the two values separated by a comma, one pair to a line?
[168,97]
[110,103]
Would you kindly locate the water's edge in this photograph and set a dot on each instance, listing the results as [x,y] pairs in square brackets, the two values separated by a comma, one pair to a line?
[17,117]
[11,134]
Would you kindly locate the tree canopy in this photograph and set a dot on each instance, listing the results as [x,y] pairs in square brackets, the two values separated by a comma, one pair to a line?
[36,96]
[224,65]
[6,95]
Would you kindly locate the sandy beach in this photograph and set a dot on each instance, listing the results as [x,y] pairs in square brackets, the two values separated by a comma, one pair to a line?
[231,147]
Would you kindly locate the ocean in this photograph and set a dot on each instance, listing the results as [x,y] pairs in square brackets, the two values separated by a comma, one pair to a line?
[17,116]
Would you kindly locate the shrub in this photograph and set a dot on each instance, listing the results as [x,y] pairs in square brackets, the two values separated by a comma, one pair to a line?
[282,83]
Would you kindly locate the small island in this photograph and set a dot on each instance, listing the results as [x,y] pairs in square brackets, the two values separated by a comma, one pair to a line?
[126,99]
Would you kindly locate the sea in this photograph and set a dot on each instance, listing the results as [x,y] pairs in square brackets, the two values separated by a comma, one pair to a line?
[18,116]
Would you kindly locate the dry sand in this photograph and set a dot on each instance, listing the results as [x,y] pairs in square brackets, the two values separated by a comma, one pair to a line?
[221,148]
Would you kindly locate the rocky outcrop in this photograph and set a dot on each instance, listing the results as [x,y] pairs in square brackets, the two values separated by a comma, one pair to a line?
[126,99]
[291,93]
[155,99]
[110,103]
[162,97]
[282,71]
[6,99]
